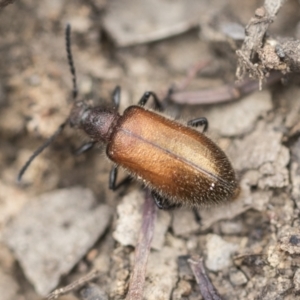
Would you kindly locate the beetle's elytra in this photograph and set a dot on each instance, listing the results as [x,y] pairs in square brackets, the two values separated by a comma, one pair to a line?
[181,165]
[178,162]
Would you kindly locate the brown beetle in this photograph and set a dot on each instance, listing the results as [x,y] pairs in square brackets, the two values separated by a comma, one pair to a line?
[179,164]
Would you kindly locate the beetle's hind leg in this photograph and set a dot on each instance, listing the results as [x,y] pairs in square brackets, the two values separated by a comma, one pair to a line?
[163,203]
[199,122]
[113,179]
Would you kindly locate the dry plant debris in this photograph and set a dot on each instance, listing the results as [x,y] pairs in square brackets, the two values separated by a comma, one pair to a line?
[260,53]
[86,292]
[207,290]
[142,250]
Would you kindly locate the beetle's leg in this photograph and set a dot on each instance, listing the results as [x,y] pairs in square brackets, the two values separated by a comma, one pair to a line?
[40,150]
[116,96]
[113,179]
[199,122]
[85,147]
[146,97]
[171,90]
[163,203]
[197,215]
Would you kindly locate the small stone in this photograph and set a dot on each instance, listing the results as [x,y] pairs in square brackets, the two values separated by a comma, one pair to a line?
[295,172]
[276,174]
[237,277]
[283,285]
[229,227]
[245,113]
[275,256]
[218,252]
[130,219]
[126,29]
[290,241]
[161,274]
[183,289]
[296,280]
[184,222]
[192,243]
[54,232]
[259,147]
[162,223]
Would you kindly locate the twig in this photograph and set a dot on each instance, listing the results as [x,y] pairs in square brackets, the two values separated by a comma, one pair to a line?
[223,93]
[143,249]
[191,74]
[74,285]
[208,291]
[255,34]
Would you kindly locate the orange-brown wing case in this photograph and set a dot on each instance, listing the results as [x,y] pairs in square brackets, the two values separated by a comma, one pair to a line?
[177,161]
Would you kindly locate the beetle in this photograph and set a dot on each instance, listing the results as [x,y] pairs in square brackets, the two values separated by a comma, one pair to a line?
[180,164]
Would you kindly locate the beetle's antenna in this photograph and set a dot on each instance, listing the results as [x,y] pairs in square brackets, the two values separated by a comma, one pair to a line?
[61,127]
[40,150]
[70,60]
